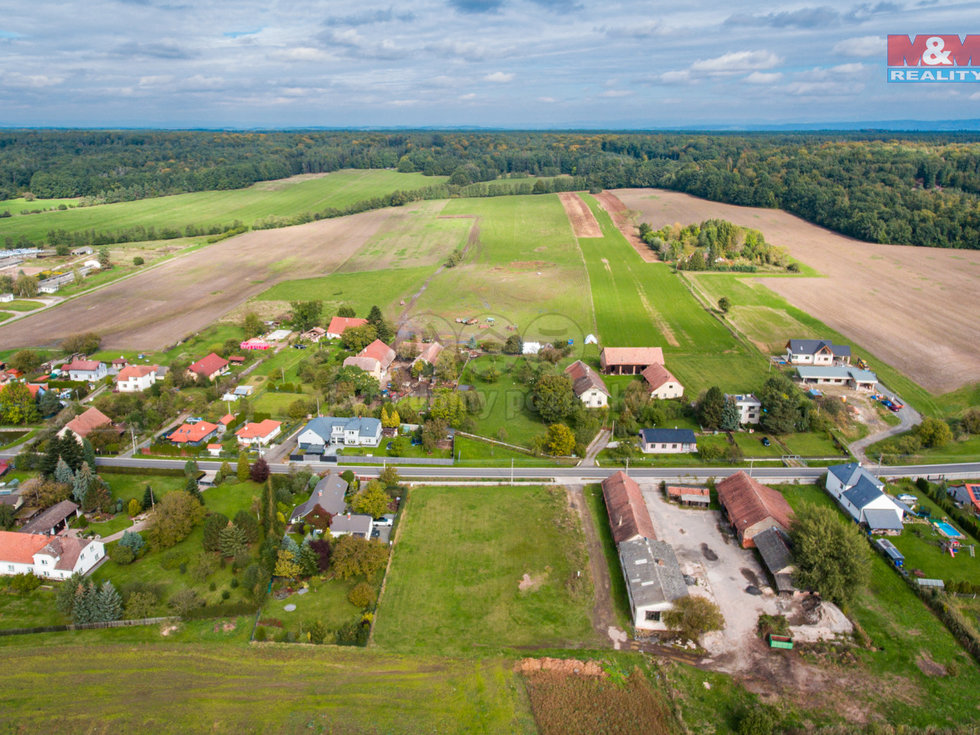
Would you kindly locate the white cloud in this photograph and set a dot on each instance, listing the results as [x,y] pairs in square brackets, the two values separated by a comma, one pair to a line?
[616,93]
[36,81]
[861,46]
[301,53]
[500,77]
[551,100]
[975,96]
[737,61]
[676,77]
[832,73]
[824,89]
[761,77]
[468,96]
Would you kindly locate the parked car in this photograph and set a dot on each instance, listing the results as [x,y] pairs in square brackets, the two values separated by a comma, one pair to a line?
[765,441]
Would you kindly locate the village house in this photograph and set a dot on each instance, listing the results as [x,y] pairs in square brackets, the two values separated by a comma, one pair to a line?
[258,434]
[314,334]
[193,434]
[816,352]
[85,423]
[661,383]
[862,496]
[752,507]
[325,431]
[429,353]
[43,556]
[587,385]
[135,378]
[353,524]
[214,450]
[855,378]
[966,495]
[667,441]
[208,367]
[224,422]
[328,496]
[749,407]
[629,360]
[85,371]
[54,520]
[339,324]
[375,359]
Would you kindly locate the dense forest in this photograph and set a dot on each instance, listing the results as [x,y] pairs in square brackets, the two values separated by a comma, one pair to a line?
[922,189]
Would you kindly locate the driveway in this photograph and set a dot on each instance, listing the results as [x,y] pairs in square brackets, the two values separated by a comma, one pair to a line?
[596,446]
[908,418]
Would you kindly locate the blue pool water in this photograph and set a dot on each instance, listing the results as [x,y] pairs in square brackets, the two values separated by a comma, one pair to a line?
[947,530]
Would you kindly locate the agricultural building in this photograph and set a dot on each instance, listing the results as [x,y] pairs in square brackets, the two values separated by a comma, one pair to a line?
[773,546]
[208,367]
[53,520]
[816,352]
[653,580]
[628,515]
[44,556]
[325,431]
[339,324]
[429,353]
[661,383]
[629,360]
[699,496]
[375,359]
[856,378]
[84,424]
[667,441]
[314,335]
[587,384]
[862,497]
[749,407]
[752,507]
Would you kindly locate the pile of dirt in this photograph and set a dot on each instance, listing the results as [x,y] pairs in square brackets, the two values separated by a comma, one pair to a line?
[566,666]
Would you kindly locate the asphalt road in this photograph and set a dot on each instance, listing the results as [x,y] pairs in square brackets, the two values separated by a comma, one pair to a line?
[505,474]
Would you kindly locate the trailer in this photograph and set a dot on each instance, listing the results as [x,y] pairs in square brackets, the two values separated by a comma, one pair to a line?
[780,641]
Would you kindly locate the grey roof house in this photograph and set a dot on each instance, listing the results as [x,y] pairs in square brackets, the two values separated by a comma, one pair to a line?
[653,580]
[344,431]
[667,441]
[328,495]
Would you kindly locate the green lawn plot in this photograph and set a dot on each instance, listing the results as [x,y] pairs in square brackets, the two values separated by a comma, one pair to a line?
[769,321]
[921,544]
[506,403]
[461,560]
[967,450]
[119,522]
[22,305]
[20,205]
[125,486]
[422,237]
[386,288]
[474,452]
[198,345]
[204,688]
[324,601]
[810,444]
[751,445]
[277,404]
[281,198]
[523,271]
[646,304]
[28,610]
[5,315]
[904,633]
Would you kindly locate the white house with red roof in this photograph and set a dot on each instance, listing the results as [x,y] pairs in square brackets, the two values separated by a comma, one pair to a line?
[88,371]
[375,359]
[661,382]
[258,434]
[193,434]
[339,324]
[44,556]
[208,367]
[84,424]
[136,378]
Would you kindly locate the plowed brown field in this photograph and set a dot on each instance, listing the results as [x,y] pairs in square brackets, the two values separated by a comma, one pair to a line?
[579,215]
[158,307]
[912,307]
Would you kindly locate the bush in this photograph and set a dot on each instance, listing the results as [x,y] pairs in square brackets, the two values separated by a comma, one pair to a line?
[121,554]
[140,605]
[260,634]
[361,595]
[24,583]
[225,594]
[184,601]
[693,616]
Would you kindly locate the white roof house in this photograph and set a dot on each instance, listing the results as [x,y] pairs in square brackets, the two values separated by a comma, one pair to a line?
[749,407]
[862,496]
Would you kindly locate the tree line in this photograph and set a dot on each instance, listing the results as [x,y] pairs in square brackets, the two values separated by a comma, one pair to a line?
[920,189]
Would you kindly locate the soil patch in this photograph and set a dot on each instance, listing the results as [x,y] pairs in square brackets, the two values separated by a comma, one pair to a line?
[579,215]
[709,553]
[901,302]
[928,666]
[623,219]
[529,583]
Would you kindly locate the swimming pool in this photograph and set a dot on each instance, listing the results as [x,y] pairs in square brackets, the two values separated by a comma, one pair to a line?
[947,530]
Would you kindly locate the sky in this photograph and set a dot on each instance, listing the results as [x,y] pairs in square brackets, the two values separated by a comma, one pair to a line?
[488,63]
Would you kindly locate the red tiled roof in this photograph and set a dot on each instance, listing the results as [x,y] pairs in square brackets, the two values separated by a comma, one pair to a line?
[66,549]
[136,371]
[92,365]
[208,365]
[226,419]
[35,387]
[657,375]
[339,323]
[632,356]
[214,446]
[192,432]
[83,424]
[748,502]
[258,430]
[628,514]
[20,548]
[583,378]
[379,351]
[430,352]
[675,492]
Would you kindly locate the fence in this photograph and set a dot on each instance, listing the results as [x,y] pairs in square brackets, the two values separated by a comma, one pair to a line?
[395,460]
[85,626]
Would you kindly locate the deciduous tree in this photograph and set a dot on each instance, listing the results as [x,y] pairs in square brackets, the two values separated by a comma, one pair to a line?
[372,500]
[306,314]
[560,440]
[831,555]
[553,397]
[172,519]
[693,616]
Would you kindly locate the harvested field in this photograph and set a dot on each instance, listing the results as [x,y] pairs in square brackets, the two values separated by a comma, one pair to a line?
[579,215]
[157,307]
[902,303]
[623,219]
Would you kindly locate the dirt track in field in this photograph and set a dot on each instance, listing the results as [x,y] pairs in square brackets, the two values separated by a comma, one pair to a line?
[621,218]
[156,308]
[579,215]
[910,306]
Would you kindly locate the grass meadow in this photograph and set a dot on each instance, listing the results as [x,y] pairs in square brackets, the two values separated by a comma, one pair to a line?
[282,198]
[461,555]
[206,688]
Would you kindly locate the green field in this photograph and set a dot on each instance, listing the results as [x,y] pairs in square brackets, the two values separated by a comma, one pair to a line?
[208,688]
[967,450]
[20,205]
[646,304]
[505,403]
[458,561]
[22,305]
[524,271]
[360,290]
[283,198]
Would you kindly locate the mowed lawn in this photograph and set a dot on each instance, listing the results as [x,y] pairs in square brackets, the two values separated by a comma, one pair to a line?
[283,689]
[646,304]
[524,271]
[281,198]
[458,562]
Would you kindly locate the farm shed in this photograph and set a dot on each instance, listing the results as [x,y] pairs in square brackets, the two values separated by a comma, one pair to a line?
[587,385]
[629,360]
[773,546]
[888,549]
[628,514]
[752,507]
[661,382]
[52,520]
[863,380]
[689,495]
[653,580]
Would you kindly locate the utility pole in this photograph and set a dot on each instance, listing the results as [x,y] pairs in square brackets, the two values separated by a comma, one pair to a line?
[511,470]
